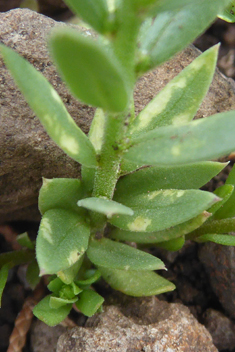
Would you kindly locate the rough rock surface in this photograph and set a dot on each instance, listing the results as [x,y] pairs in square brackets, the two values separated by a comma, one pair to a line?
[219,263]
[26,152]
[146,325]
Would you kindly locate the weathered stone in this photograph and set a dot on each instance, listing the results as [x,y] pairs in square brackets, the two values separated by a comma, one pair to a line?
[221,328]
[26,152]
[219,263]
[146,325]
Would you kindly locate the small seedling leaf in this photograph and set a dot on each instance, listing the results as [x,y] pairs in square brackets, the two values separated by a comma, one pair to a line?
[161,209]
[164,235]
[94,12]
[132,283]
[180,99]
[48,315]
[90,71]
[3,279]
[24,240]
[115,255]
[95,276]
[62,240]
[89,302]
[68,275]
[49,108]
[225,240]
[104,206]
[189,143]
[57,302]
[60,193]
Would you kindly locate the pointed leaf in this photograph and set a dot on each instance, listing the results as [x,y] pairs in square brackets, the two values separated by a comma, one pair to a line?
[224,192]
[104,206]
[180,99]
[189,143]
[164,235]
[3,278]
[132,283]
[115,255]
[89,302]
[225,240]
[49,108]
[159,210]
[94,12]
[191,176]
[228,209]
[57,302]
[228,14]
[24,240]
[180,23]
[48,315]
[62,240]
[60,193]
[91,73]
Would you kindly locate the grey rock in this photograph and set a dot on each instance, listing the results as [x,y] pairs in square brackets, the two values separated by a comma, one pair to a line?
[219,263]
[146,325]
[221,328]
[26,152]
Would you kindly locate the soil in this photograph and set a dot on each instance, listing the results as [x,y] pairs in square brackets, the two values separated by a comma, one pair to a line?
[184,267]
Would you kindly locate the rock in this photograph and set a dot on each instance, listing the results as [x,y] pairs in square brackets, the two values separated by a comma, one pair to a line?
[145,324]
[26,152]
[44,338]
[219,263]
[221,328]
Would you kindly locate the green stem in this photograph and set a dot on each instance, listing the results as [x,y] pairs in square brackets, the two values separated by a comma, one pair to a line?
[215,226]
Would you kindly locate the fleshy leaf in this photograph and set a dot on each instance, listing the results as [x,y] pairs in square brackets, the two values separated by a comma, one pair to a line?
[94,276]
[55,285]
[104,206]
[91,73]
[57,302]
[60,193]
[17,257]
[49,315]
[133,283]
[224,192]
[94,12]
[199,140]
[173,245]
[228,14]
[180,99]
[213,227]
[62,240]
[49,108]
[68,275]
[115,255]
[164,235]
[24,240]
[3,279]
[225,240]
[161,209]
[180,23]
[228,209]
[89,302]
[191,176]
[32,274]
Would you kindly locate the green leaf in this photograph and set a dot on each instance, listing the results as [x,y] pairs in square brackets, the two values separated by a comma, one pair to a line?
[115,255]
[17,257]
[180,99]
[224,192]
[57,302]
[225,240]
[173,245]
[93,276]
[199,140]
[94,12]
[62,240]
[228,14]
[68,275]
[49,315]
[164,235]
[191,176]
[181,23]
[214,226]
[91,72]
[89,302]
[133,283]
[32,274]
[228,209]
[49,108]
[55,285]
[3,279]
[24,240]
[161,209]
[60,193]
[104,206]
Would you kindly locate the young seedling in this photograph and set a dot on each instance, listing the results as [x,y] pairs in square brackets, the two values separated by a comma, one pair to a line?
[140,174]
